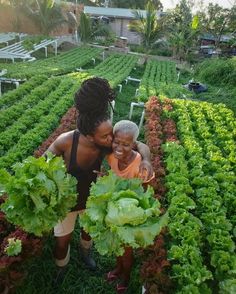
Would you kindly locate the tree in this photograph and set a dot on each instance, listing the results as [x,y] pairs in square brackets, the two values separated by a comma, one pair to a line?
[181,29]
[217,21]
[46,14]
[148,27]
[89,29]
[85,29]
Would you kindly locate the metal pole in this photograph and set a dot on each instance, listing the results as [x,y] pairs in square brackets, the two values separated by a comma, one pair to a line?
[76,31]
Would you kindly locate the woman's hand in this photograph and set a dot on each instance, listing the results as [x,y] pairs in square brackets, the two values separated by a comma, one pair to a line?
[100,173]
[145,171]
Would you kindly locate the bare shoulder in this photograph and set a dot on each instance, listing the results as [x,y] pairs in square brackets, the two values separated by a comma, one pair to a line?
[62,143]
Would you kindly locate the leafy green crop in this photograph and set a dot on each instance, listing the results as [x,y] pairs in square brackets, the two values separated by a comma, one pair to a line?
[119,212]
[14,247]
[40,193]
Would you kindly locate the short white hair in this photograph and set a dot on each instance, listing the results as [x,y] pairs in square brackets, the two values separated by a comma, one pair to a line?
[127,127]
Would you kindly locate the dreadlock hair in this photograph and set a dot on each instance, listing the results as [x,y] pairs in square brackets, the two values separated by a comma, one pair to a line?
[92,101]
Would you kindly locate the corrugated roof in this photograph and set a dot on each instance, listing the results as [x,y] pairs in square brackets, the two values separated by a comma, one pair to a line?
[112,12]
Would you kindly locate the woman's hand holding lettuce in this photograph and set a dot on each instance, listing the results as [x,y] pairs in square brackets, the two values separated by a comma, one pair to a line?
[119,213]
[39,194]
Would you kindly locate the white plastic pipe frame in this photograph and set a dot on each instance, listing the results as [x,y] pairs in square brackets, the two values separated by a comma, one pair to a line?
[140,105]
[111,112]
[93,59]
[120,88]
[80,69]
[129,78]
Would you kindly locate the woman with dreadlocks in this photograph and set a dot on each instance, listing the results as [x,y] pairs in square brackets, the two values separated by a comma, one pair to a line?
[83,150]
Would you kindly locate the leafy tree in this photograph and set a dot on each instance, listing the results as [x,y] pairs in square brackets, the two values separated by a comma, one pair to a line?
[148,27]
[232,20]
[216,20]
[46,14]
[18,6]
[85,28]
[89,29]
[181,29]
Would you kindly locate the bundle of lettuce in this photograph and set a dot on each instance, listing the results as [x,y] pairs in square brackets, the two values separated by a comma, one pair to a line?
[119,213]
[39,193]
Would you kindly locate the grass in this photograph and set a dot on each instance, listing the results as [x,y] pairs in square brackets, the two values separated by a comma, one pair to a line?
[216,93]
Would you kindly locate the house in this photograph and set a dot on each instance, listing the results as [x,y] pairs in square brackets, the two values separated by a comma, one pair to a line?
[118,19]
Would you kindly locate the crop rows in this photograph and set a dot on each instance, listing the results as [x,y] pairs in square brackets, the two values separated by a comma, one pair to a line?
[32,116]
[156,73]
[11,114]
[115,68]
[12,97]
[36,116]
[200,182]
[61,64]
[212,180]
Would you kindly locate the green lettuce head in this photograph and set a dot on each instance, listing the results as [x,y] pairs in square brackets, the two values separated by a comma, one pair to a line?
[119,213]
[39,193]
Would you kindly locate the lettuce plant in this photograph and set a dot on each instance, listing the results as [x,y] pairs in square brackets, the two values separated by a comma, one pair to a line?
[39,194]
[120,213]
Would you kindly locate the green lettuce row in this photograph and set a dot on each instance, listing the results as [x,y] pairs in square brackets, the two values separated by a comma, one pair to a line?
[223,132]
[13,96]
[8,116]
[157,75]
[34,137]
[60,64]
[39,194]
[32,116]
[119,213]
[220,165]
[188,269]
[210,207]
[115,68]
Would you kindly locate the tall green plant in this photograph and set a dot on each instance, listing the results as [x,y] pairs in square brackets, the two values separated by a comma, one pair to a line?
[181,29]
[85,29]
[46,14]
[148,27]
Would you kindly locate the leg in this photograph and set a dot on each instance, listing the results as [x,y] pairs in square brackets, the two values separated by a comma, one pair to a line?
[85,247]
[63,233]
[127,263]
[115,273]
[61,248]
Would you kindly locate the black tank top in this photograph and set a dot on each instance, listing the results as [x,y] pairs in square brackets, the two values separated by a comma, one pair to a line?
[84,176]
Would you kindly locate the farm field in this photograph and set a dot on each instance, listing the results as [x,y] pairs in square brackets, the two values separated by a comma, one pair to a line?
[192,143]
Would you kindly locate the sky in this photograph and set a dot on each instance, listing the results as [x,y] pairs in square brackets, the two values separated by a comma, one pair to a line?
[224,3]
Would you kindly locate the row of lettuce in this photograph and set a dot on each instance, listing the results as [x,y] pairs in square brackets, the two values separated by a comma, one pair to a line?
[61,64]
[200,184]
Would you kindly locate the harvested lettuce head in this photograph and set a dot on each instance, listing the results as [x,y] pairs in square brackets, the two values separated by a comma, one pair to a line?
[119,213]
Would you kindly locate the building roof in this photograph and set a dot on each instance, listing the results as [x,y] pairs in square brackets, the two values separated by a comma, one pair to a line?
[210,37]
[112,12]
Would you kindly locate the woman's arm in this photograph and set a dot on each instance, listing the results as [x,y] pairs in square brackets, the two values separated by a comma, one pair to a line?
[59,146]
[145,168]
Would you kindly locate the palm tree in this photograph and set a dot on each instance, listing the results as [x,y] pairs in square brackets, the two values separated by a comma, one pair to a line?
[89,29]
[46,14]
[85,28]
[148,28]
